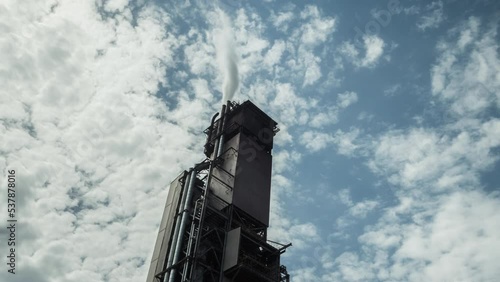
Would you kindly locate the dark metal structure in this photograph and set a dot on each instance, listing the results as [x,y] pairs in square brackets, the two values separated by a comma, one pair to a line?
[214,226]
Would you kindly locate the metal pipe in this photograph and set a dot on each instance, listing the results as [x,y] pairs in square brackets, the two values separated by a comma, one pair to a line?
[189,247]
[228,223]
[218,143]
[203,208]
[178,221]
[187,196]
[209,137]
[212,127]
[182,228]
[222,124]
[216,149]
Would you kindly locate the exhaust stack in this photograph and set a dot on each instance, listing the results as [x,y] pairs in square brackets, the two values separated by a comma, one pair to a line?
[214,225]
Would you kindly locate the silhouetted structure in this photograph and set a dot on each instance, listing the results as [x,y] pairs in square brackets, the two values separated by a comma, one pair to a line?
[214,226]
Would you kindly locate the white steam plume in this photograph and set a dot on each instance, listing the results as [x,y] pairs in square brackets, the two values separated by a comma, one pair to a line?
[231,79]
[226,57]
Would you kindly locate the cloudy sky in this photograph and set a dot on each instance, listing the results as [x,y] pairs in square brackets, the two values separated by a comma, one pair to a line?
[385,169]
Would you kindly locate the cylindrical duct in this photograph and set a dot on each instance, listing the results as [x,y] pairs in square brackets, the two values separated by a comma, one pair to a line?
[212,131]
[218,143]
[222,128]
[173,244]
[182,228]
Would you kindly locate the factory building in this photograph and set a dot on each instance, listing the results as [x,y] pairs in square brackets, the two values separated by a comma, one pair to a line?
[214,225]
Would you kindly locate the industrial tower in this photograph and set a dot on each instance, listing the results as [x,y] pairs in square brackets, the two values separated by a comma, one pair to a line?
[214,226]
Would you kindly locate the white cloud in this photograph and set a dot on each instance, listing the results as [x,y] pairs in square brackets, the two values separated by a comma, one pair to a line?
[283,229]
[274,54]
[313,72]
[115,5]
[294,57]
[467,78]
[330,114]
[412,10]
[444,227]
[355,209]
[434,16]
[323,118]
[385,238]
[351,268]
[200,87]
[313,30]
[452,239]
[361,209]
[345,197]
[285,160]
[315,141]
[454,234]
[86,130]
[468,33]
[392,90]
[303,234]
[305,274]
[373,47]
[346,99]
[349,50]
[282,19]
[438,172]
[423,155]
[347,143]
[200,56]
[288,104]
[317,30]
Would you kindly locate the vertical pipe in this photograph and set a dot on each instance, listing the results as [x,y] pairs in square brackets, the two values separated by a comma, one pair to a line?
[178,221]
[221,130]
[188,253]
[228,223]
[211,132]
[218,143]
[182,228]
[189,194]
[203,208]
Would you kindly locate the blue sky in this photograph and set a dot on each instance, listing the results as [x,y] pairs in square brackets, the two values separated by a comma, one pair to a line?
[385,167]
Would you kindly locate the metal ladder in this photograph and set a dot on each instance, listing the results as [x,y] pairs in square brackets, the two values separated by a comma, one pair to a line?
[196,225]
